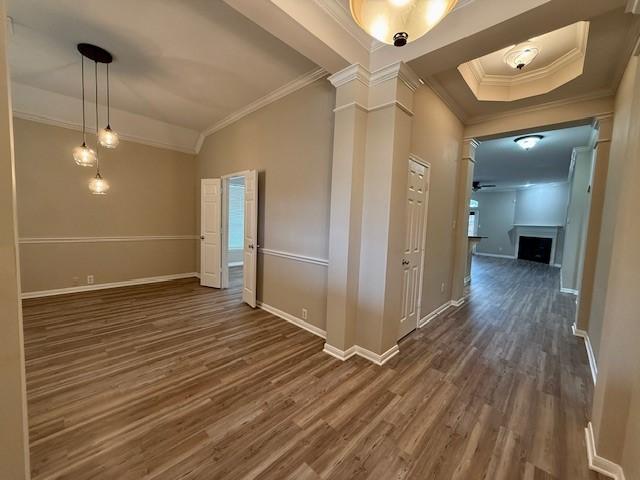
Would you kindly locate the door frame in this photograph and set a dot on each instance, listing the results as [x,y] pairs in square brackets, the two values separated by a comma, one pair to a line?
[225,224]
[427,165]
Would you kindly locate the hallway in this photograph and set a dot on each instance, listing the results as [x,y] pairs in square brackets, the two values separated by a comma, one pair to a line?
[174,380]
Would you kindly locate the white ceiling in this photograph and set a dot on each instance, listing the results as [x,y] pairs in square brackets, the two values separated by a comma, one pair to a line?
[189,63]
[504,163]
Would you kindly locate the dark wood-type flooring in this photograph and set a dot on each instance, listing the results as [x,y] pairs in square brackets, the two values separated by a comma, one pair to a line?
[177,381]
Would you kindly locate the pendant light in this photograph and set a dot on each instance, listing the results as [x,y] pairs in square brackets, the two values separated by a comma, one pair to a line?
[83,155]
[98,185]
[106,136]
[397,22]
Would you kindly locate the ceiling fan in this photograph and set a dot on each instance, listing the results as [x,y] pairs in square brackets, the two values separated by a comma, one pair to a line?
[479,186]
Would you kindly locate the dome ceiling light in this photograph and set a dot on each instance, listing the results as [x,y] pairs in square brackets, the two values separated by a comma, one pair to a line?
[397,22]
[528,142]
[521,55]
[105,137]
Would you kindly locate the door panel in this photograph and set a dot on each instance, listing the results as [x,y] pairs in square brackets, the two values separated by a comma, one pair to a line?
[414,244]
[210,235]
[250,259]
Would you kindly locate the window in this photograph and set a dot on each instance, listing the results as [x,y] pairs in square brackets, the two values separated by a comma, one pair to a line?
[473,203]
[236,216]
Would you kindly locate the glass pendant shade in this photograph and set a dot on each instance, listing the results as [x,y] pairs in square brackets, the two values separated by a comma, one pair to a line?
[397,22]
[108,138]
[84,156]
[528,142]
[98,185]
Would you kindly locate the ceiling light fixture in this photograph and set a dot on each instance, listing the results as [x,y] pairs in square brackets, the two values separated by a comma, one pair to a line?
[397,22]
[106,137]
[529,141]
[521,55]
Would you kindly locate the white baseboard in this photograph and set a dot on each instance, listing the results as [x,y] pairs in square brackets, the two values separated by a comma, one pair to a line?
[587,343]
[293,319]
[104,286]
[361,352]
[495,255]
[600,464]
[569,290]
[556,265]
[427,318]
[459,302]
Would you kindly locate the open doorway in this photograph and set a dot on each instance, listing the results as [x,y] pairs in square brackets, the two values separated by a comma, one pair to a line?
[229,233]
[233,241]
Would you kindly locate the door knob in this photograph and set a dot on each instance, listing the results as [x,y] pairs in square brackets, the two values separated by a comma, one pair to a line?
[251,246]
[201,237]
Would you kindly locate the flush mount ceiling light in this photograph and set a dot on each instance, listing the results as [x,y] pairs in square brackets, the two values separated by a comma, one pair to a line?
[105,137]
[529,141]
[397,22]
[521,55]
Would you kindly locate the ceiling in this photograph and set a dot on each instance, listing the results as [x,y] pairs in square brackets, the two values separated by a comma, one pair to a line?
[504,163]
[611,39]
[189,63]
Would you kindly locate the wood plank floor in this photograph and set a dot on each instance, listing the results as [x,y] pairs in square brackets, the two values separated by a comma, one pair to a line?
[176,381]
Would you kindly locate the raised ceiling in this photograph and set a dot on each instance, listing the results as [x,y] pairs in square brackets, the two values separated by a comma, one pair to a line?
[611,39]
[188,63]
[503,163]
[560,59]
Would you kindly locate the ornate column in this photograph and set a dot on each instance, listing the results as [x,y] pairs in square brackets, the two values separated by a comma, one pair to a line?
[604,127]
[461,247]
[371,150]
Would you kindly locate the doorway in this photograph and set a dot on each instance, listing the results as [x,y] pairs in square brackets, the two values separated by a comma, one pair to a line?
[414,244]
[229,220]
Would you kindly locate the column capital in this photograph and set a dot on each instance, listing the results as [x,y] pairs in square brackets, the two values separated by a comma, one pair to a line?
[469,147]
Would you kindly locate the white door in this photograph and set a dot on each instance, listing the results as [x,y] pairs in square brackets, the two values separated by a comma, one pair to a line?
[250,260]
[413,246]
[210,235]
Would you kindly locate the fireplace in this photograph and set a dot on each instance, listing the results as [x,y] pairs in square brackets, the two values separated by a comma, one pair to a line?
[535,249]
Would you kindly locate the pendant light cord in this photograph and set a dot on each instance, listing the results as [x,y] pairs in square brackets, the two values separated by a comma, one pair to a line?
[97,124]
[84,130]
[108,102]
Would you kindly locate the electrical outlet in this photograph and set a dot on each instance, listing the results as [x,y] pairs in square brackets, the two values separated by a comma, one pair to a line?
[304,313]
[442,287]
[89,279]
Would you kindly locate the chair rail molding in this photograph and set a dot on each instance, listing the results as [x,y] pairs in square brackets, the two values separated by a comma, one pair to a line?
[123,238]
[294,256]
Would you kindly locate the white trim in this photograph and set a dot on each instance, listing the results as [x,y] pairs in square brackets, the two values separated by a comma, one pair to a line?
[633,6]
[597,463]
[298,322]
[133,238]
[495,255]
[339,354]
[277,94]
[458,303]
[361,352]
[569,290]
[369,79]
[587,344]
[235,264]
[427,318]
[294,256]
[104,286]
[467,280]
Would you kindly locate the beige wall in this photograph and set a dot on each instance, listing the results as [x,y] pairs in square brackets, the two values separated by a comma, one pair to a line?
[152,194]
[437,138]
[290,143]
[616,402]
[14,436]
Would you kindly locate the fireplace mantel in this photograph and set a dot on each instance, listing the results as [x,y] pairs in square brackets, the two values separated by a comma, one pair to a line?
[541,231]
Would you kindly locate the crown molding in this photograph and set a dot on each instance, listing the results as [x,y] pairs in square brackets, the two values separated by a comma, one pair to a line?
[350,73]
[633,6]
[50,108]
[342,17]
[271,97]
[545,106]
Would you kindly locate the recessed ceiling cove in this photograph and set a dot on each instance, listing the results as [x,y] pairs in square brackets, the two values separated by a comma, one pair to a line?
[534,67]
